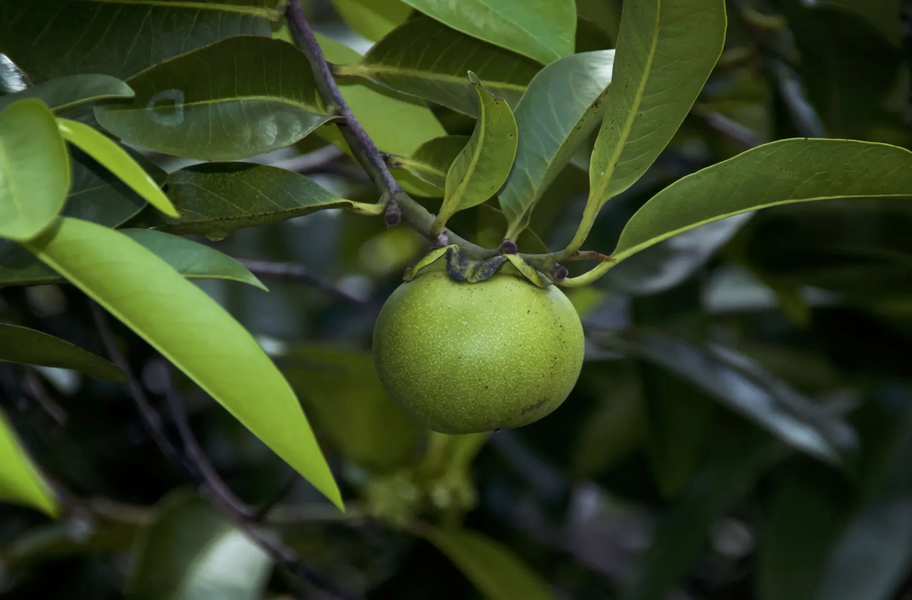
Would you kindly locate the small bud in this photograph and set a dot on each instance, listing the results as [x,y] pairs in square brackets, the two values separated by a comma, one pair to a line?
[442,240]
[508,247]
[560,273]
[393,215]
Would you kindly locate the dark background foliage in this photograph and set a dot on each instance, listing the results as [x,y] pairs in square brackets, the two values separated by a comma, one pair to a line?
[742,427]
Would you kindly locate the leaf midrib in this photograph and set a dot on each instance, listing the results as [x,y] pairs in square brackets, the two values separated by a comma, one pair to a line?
[368,69]
[253,11]
[282,99]
[473,163]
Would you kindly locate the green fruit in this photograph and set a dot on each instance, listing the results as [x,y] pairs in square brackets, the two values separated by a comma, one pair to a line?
[471,357]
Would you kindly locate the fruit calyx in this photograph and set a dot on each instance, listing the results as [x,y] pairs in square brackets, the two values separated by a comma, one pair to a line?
[462,268]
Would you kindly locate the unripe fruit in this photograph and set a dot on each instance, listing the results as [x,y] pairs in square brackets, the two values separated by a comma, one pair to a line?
[470,357]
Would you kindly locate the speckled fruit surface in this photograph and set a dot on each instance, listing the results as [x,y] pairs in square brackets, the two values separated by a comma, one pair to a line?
[471,357]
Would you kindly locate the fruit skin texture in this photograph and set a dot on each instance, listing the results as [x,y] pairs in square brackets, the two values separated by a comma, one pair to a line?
[471,357]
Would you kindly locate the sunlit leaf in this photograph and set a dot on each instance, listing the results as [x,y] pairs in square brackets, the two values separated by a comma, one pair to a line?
[20,482]
[68,92]
[494,570]
[234,99]
[482,166]
[424,58]
[192,331]
[777,173]
[34,169]
[12,78]
[372,19]
[560,109]
[188,551]
[540,29]
[28,346]
[118,37]
[115,159]
[666,51]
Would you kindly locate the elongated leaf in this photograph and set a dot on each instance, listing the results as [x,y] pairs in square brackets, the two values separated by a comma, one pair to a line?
[189,258]
[559,110]
[118,37]
[431,161]
[68,92]
[484,163]
[341,391]
[214,199]
[115,159]
[884,15]
[397,123]
[31,347]
[188,551]
[425,58]
[234,99]
[34,169]
[653,90]
[372,19]
[777,173]
[97,195]
[743,386]
[20,481]
[489,565]
[540,29]
[192,331]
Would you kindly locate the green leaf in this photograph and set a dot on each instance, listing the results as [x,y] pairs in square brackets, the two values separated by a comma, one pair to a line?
[427,59]
[115,159]
[20,481]
[342,393]
[214,199]
[118,37]
[883,15]
[780,172]
[34,169]
[488,564]
[431,161]
[484,163]
[397,123]
[189,258]
[561,108]
[653,90]
[540,29]
[234,99]
[31,347]
[192,331]
[69,92]
[188,551]
[99,196]
[373,19]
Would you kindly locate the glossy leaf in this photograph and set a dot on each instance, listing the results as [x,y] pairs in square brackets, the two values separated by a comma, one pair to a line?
[883,15]
[12,78]
[118,37]
[31,347]
[189,551]
[425,58]
[99,196]
[189,258]
[214,199]
[234,99]
[540,29]
[654,86]
[489,565]
[431,161]
[777,173]
[34,169]
[372,19]
[342,393]
[192,331]
[69,92]
[746,388]
[560,109]
[20,481]
[115,159]
[397,123]
[482,166]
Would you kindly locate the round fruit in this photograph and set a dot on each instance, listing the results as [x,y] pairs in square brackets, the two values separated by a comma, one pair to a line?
[470,357]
